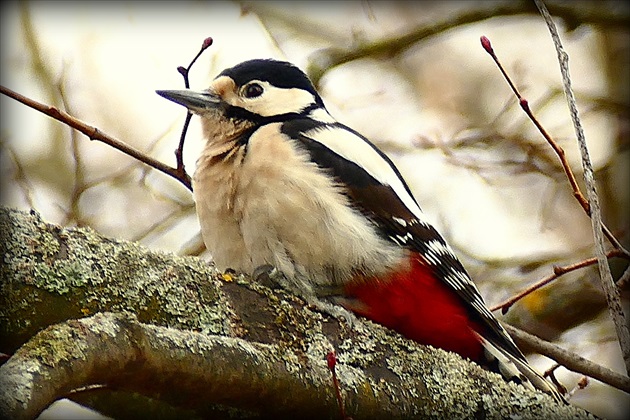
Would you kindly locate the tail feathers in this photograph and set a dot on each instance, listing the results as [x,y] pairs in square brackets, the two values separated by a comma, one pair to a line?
[517,370]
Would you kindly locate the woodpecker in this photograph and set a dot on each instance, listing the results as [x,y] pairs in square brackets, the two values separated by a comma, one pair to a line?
[281,183]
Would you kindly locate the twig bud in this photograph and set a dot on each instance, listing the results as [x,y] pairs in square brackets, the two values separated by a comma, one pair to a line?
[331,359]
[206,43]
[485,43]
[524,104]
[583,382]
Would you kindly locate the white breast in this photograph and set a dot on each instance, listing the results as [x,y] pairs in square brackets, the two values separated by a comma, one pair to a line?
[269,204]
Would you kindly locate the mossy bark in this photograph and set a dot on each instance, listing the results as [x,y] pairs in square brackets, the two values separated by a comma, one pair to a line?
[78,309]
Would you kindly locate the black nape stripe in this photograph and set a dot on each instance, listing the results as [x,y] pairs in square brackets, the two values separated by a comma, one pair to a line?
[241,114]
[312,107]
[296,128]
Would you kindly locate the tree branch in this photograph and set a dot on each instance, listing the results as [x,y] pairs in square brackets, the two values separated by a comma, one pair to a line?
[94,133]
[577,193]
[570,360]
[118,351]
[558,271]
[608,284]
[323,61]
[215,339]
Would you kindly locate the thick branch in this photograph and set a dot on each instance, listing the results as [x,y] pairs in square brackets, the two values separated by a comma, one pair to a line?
[118,351]
[219,336]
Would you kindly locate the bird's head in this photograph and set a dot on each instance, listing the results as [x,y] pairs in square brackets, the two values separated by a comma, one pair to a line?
[249,94]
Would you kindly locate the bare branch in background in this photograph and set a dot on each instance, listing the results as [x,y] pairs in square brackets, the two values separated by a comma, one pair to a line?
[608,284]
[570,360]
[577,193]
[611,291]
[184,71]
[573,14]
[94,133]
[557,272]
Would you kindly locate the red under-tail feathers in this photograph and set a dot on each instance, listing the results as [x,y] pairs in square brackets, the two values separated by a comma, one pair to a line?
[421,307]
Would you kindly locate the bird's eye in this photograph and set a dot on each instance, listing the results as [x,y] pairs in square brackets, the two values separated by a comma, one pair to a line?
[253,90]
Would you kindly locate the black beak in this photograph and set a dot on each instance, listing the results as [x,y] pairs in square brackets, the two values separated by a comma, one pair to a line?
[191,99]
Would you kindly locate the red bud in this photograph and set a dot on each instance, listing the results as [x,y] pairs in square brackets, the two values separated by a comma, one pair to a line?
[485,43]
[331,359]
[206,43]
[524,104]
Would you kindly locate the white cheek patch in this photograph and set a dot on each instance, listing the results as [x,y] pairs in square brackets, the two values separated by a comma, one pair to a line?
[274,100]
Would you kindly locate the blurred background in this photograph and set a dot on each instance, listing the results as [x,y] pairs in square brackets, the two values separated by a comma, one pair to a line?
[411,76]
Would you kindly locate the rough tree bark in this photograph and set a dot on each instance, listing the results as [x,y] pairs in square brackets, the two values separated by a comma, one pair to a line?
[78,310]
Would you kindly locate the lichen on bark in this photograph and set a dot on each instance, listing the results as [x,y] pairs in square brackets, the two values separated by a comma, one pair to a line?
[63,290]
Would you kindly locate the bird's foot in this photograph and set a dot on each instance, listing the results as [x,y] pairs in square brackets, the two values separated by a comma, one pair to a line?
[269,276]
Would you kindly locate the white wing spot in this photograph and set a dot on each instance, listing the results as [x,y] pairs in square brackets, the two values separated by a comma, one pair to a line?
[401,222]
[432,258]
[403,238]
[454,282]
[440,248]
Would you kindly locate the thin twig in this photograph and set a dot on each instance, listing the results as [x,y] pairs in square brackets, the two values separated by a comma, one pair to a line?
[94,133]
[160,225]
[551,374]
[623,281]
[331,360]
[569,360]
[557,272]
[608,284]
[577,193]
[73,213]
[184,71]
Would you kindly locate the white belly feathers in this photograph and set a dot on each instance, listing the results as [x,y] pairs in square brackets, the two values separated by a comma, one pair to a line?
[256,206]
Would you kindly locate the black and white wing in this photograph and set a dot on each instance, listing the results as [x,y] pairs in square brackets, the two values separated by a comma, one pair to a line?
[379,191]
